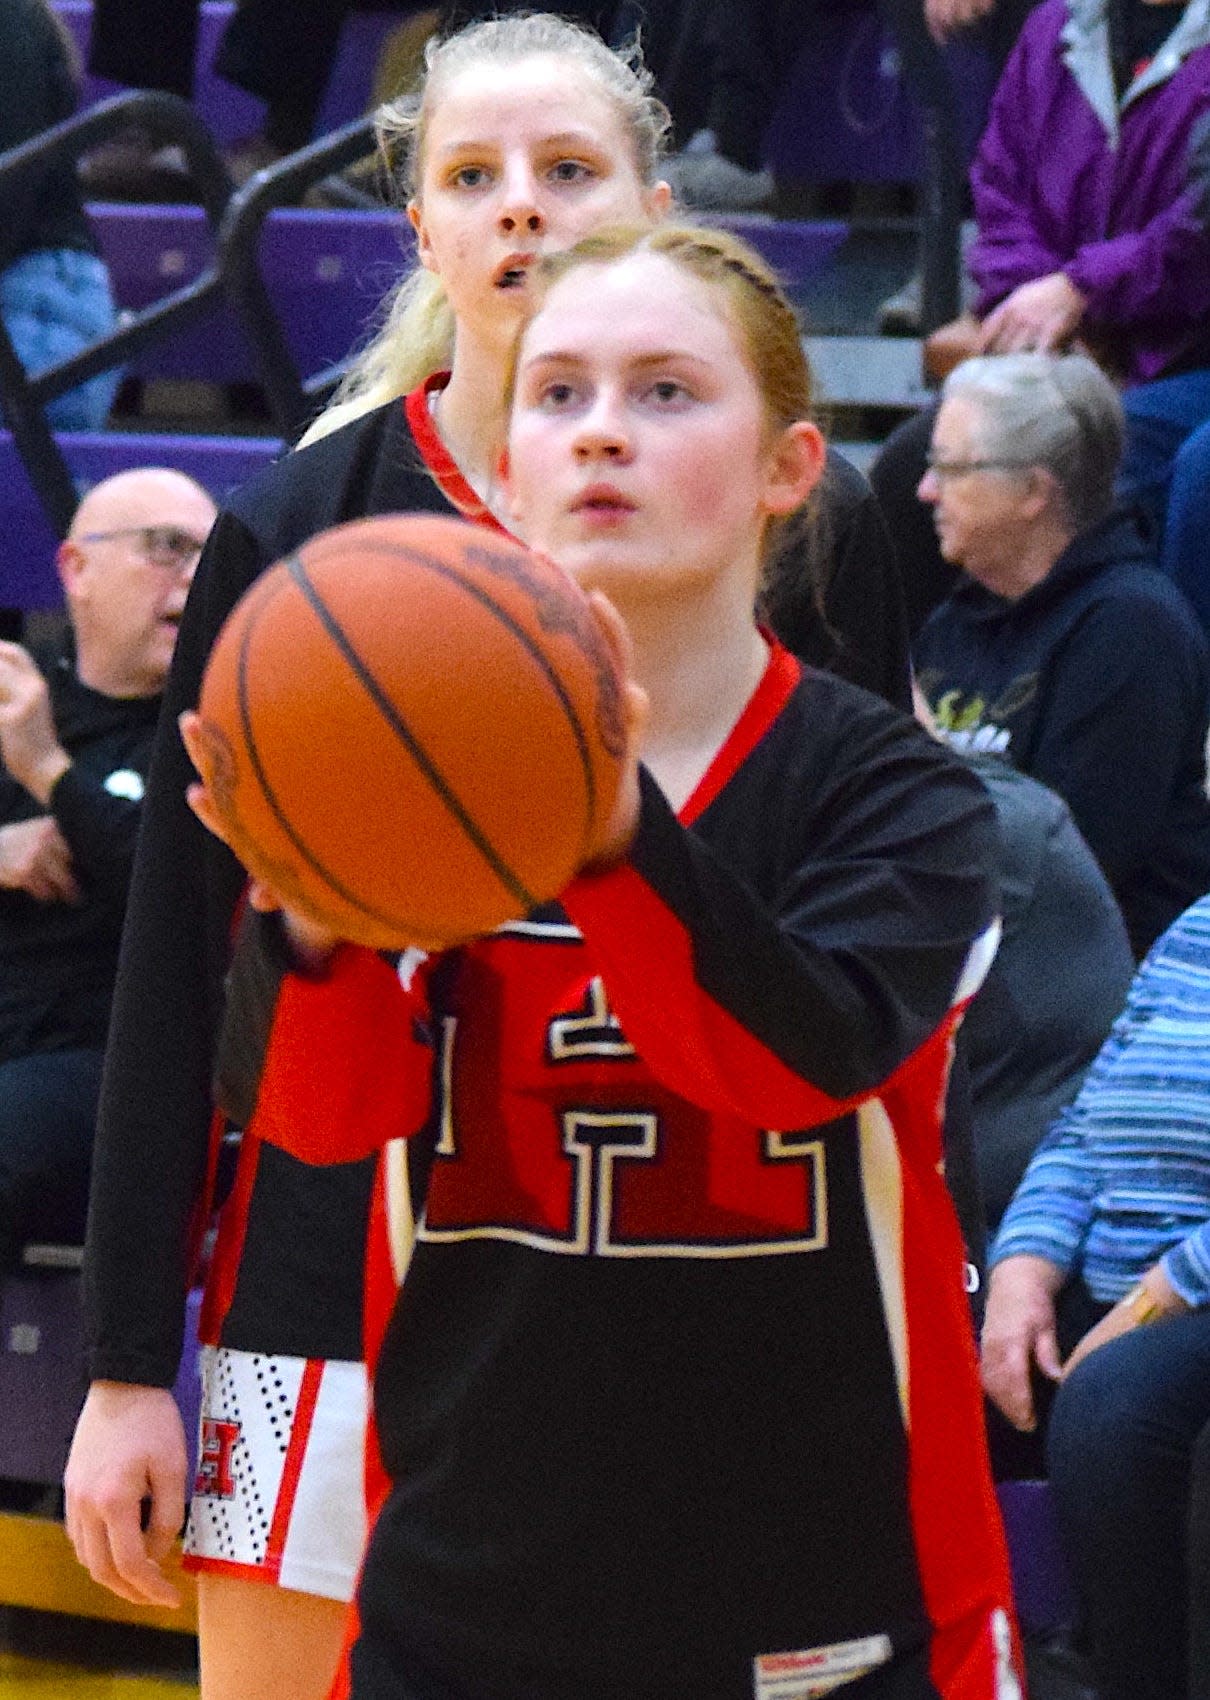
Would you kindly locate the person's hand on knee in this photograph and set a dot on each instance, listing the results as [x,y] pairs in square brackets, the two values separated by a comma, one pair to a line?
[1019,1333]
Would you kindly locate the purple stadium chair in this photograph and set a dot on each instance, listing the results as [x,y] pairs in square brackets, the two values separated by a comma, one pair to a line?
[42,1374]
[327,273]
[1041,1583]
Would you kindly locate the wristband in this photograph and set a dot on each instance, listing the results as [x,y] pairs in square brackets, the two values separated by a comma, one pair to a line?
[1143,1306]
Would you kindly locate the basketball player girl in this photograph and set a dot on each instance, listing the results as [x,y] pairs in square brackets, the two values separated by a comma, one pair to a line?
[678,1396]
[529,132]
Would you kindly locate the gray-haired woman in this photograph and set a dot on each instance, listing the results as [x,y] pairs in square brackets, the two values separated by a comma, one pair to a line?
[1063,649]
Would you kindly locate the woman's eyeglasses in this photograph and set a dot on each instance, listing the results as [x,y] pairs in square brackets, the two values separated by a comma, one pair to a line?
[960,468]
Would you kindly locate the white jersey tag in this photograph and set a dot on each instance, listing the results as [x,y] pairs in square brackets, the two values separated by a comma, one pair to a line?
[818,1670]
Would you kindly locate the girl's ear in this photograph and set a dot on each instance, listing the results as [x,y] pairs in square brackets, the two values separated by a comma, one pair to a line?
[659,200]
[424,251]
[795,466]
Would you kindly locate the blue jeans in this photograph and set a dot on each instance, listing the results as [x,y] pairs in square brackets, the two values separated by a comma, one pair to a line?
[1186,556]
[48,1111]
[1159,417]
[54,302]
[1120,1451]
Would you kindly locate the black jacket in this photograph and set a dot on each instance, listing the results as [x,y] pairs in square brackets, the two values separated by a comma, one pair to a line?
[58,960]
[1096,682]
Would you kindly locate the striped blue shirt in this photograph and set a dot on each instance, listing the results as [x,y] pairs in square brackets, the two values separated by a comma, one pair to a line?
[1122,1179]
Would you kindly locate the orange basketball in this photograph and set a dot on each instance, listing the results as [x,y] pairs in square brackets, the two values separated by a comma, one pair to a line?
[415,730]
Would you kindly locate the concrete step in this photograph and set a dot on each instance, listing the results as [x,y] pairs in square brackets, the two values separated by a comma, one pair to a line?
[869,371]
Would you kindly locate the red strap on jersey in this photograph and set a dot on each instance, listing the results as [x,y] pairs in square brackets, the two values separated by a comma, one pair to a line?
[344,1072]
[447,473]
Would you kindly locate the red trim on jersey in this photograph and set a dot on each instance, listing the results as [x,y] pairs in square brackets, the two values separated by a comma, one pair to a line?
[445,469]
[358,1014]
[697,1047]
[380,1293]
[296,1453]
[202,1564]
[223,1273]
[776,686]
[959,1537]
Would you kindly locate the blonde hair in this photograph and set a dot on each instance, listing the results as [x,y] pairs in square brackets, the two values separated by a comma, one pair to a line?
[767,324]
[416,333]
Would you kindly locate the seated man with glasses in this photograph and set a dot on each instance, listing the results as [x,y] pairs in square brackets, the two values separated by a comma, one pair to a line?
[76,728]
[1063,649]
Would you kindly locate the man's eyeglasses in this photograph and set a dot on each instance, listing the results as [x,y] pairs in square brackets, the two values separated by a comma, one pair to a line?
[960,468]
[162,545]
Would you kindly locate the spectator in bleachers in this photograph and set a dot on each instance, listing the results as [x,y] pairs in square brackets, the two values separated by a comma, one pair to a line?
[1092,200]
[921,33]
[721,68]
[1062,649]
[76,727]
[1109,243]
[280,51]
[54,289]
[1100,1281]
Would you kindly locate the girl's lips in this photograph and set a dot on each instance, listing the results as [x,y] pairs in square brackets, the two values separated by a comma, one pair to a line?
[513,270]
[603,513]
[603,498]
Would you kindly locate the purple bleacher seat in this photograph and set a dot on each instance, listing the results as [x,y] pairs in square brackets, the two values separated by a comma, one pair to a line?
[1042,1585]
[327,273]
[188,1388]
[41,1372]
[27,543]
[43,1379]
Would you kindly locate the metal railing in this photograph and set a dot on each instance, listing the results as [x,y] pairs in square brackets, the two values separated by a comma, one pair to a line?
[237,219]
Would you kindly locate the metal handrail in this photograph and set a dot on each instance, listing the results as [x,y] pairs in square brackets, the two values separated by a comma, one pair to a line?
[291,398]
[166,118]
[237,218]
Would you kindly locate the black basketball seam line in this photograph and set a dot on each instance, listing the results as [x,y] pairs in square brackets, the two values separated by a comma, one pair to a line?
[523,638]
[506,876]
[270,797]
[396,719]
[543,662]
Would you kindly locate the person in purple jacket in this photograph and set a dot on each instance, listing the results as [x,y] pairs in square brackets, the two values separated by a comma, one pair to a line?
[1091,189]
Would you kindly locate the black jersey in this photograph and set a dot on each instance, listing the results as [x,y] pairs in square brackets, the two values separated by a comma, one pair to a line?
[679,1395]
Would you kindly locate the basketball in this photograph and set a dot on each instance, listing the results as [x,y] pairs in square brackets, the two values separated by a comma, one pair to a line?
[413,729]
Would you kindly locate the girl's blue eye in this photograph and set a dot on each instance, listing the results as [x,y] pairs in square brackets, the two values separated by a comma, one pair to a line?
[668,390]
[470,176]
[557,395]
[570,171]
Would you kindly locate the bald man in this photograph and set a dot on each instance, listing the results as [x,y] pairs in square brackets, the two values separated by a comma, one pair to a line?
[76,728]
